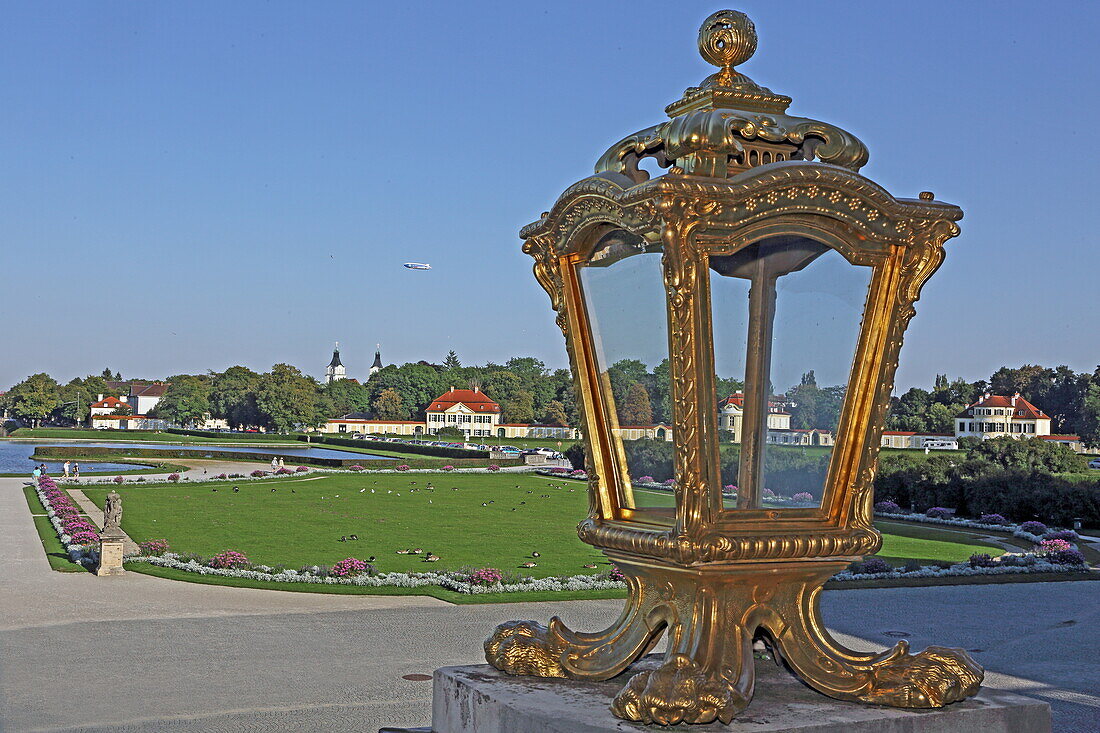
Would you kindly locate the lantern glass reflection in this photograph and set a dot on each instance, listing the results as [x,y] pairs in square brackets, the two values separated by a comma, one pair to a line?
[786,315]
[624,295]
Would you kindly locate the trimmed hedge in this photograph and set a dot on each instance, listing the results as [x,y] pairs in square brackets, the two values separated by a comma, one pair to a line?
[370,463]
[424,450]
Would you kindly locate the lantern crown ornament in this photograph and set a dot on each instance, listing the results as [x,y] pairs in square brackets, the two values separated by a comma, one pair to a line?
[729,122]
[759,254]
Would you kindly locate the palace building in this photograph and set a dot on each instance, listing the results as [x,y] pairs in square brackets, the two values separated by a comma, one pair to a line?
[996,415]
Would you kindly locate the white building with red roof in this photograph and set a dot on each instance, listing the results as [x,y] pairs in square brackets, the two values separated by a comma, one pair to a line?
[993,416]
[470,410]
[731,411]
[108,405]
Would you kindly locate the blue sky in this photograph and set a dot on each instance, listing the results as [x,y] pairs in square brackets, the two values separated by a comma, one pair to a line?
[190,186]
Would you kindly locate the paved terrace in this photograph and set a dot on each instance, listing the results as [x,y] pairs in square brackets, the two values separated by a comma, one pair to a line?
[136,653]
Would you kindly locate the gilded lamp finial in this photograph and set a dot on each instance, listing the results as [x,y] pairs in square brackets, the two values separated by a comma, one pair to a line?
[726,38]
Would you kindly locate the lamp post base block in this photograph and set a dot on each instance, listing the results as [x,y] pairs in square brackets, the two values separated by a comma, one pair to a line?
[481,699]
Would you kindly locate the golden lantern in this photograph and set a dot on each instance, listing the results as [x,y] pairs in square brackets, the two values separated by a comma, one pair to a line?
[762,252]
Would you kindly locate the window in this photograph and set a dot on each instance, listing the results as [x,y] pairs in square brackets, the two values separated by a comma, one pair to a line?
[343,428]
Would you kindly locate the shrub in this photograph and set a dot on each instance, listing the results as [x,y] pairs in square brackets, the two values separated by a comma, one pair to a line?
[669,482]
[1064,534]
[993,519]
[729,489]
[981,560]
[173,477]
[1047,547]
[448,468]
[283,472]
[578,472]
[803,496]
[402,467]
[118,479]
[876,566]
[887,507]
[357,467]
[1035,528]
[222,476]
[228,559]
[301,469]
[616,574]
[493,467]
[84,538]
[938,512]
[258,473]
[645,479]
[911,566]
[768,493]
[153,547]
[349,567]
[1066,557]
[485,576]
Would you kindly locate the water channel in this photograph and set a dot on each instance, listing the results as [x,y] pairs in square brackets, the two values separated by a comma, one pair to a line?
[15,455]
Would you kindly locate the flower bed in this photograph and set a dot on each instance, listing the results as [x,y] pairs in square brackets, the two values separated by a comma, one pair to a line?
[78,536]
[1008,564]
[1033,531]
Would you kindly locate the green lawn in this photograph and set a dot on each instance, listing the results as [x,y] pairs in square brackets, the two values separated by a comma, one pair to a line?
[301,522]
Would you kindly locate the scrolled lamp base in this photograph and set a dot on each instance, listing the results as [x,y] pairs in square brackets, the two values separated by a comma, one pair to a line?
[712,616]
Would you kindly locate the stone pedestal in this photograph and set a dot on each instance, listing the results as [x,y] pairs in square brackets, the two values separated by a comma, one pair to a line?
[481,699]
[110,556]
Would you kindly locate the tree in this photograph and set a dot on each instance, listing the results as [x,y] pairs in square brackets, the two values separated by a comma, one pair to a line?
[185,401]
[418,384]
[636,410]
[389,406]
[451,362]
[1089,420]
[34,398]
[555,414]
[519,409]
[233,396]
[287,399]
[662,392]
[346,396]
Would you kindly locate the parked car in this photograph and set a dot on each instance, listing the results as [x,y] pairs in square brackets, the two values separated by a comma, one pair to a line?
[1094,463]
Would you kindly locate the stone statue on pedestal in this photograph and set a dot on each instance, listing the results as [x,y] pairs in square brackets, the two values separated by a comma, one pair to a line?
[112,515]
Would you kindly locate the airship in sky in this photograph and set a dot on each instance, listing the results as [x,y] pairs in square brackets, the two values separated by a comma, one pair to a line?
[417,266]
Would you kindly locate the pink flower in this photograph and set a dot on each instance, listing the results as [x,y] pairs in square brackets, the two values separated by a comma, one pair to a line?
[229,559]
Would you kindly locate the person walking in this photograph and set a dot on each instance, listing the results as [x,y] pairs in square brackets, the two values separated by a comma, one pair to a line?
[36,473]
[274,463]
[66,466]
[282,463]
[76,470]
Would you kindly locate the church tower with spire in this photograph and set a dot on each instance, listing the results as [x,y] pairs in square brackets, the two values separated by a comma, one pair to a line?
[335,369]
[377,365]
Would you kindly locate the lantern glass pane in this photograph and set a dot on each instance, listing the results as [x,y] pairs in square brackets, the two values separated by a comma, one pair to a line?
[624,293]
[802,315]
[729,298]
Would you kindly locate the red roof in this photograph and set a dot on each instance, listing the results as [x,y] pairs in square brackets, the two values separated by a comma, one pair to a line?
[148,390]
[112,402]
[118,417]
[1023,408]
[775,404]
[1060,437]
[474,399]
